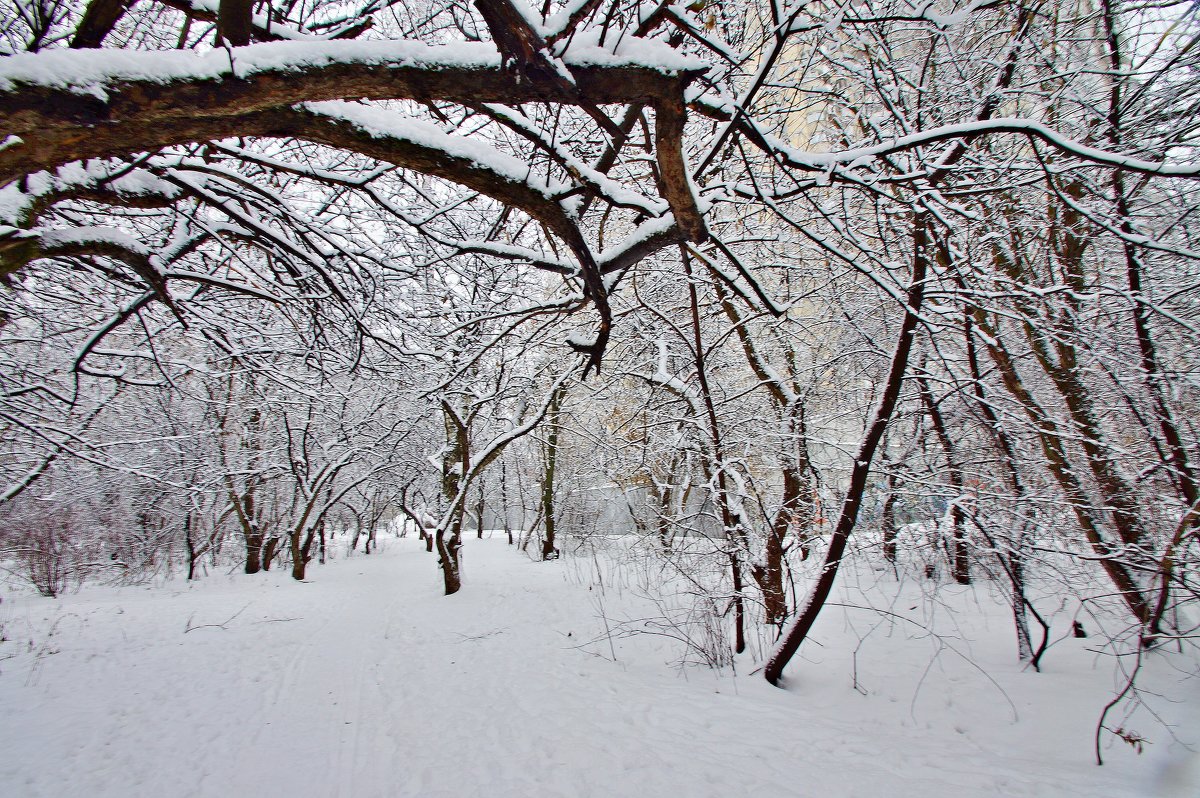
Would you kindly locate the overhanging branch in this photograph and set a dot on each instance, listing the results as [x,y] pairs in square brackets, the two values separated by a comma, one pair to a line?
[148,100]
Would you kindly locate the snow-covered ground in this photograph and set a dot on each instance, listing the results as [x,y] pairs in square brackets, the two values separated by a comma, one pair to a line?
[367,682]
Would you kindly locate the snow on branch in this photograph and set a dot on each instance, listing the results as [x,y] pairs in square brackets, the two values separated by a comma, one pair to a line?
[62,106]
[859,156]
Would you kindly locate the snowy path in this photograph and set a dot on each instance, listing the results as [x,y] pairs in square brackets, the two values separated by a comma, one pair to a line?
[366,682]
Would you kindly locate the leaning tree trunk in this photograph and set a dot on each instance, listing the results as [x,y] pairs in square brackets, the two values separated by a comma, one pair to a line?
[1055,353]
[1176,455]
[798,630]
[1054,450]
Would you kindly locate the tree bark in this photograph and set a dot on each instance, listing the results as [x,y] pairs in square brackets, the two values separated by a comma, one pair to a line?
[193,554]
[456,463]
[549,550]
[448,553]
[252,532]
[234,22]
[270,548]
[301,550]
[99,19]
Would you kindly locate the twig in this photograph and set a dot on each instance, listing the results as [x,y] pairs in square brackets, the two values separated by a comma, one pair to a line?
[1100,727]
[222,625]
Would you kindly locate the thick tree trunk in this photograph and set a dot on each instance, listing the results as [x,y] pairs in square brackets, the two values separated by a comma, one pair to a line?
[252,532]
[448,551]
[301,552]
[298,562]
[270,549]
[769,576]
[235,22]
[769,573]
[254,545]
[99,19]
[455,465]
